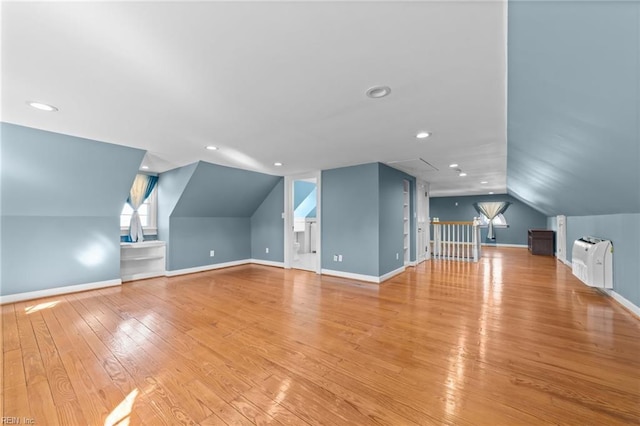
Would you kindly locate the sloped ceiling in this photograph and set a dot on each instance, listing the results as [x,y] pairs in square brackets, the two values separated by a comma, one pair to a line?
[574,106]
[220,191]
[41,178]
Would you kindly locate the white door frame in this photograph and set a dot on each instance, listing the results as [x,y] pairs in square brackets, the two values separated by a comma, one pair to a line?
[561,238]
[422,210]
[288,218]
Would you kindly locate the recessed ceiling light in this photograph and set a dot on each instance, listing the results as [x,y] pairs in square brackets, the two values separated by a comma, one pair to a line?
[453,165]
[211,148]
[483,182]
[277,164]
[41,106]
[491,192]
[144,167]
[463,174]
[378,91]
[423,135]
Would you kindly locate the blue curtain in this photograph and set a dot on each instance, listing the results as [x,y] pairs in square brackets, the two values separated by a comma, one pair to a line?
[140,190]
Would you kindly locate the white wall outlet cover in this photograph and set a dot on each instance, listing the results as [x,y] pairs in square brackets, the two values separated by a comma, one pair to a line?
[397,256]
[266,250]
[212,253]
[335,257]
[283,215]
[339,258]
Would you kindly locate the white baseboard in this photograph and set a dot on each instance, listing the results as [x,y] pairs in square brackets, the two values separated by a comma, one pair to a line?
[207,267]
[505,245]
[361,277]
[625,302]
[20,297]
[267,263]
[142,276]
[392,274]
[616,296]
[558,257]
[350,275]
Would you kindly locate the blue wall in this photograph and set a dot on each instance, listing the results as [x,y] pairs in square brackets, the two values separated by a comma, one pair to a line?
[301,190]
[267,226]
[350,219]
[363,219]
[391,223]
[574,106]
[624,232]
[171,184]
[206,207]
[61,203]
[193,237]
[519,216]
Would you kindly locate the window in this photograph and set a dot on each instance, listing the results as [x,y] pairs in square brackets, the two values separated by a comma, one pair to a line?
[148,212]
[498,221]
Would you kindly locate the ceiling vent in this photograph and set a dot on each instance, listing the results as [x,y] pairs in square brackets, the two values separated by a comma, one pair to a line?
[414,167]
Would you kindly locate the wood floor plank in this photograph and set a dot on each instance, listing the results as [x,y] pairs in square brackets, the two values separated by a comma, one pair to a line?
[58,380]
[16,403]
[231,416]
[273,407]
[32,360]
[70,413]
[95,410]
[10,337]
[12,363]
[512,339]
[41,403]
[2,408]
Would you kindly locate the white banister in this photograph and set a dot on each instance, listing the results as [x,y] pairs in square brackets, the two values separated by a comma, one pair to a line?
[456,240]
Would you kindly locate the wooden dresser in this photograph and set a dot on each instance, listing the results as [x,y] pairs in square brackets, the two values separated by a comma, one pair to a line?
[541,241]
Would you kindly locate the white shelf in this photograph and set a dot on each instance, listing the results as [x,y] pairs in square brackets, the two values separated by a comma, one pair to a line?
[143,245]
[135,259]
[142,260]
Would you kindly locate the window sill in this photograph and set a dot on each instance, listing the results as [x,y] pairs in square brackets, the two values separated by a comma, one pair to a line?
[146,230]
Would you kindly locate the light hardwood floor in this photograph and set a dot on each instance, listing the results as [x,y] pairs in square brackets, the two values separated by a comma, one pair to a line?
[513,339]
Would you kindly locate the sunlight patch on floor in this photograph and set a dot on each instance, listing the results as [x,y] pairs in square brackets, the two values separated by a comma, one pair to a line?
[120,415]
[40,306]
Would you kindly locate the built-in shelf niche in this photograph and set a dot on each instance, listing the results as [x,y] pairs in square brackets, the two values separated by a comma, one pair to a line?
[407,216]
[142,260]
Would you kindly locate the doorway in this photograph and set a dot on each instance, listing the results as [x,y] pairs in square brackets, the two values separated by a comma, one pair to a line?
[302,224]
[561,238]
[423,231]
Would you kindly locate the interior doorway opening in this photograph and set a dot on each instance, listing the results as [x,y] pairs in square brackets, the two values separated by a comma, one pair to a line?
[302,229]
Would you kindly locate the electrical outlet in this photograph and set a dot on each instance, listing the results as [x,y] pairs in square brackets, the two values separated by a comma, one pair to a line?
[397,256]
[212,253]
[339,258]
[335,257]
[266,250]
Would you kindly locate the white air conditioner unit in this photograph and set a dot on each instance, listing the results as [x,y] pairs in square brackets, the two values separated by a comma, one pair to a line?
[592,261]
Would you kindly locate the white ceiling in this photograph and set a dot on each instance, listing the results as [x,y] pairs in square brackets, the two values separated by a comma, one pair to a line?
[270,81]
